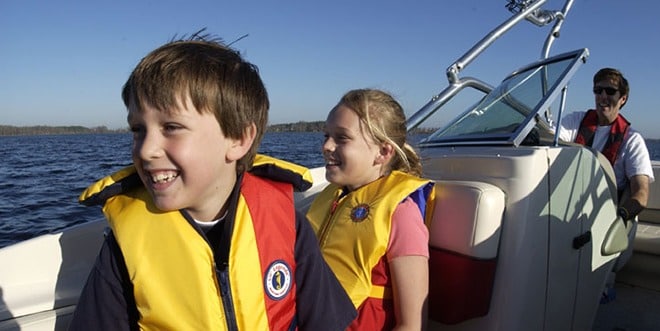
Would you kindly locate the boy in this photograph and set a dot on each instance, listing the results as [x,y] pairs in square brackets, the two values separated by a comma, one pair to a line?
[203,237]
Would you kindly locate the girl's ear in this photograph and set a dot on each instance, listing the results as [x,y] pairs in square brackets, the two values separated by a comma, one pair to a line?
[239,147]
[385,154]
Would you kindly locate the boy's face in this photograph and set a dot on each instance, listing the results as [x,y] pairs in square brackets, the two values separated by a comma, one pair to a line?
[352,159]
[184,159]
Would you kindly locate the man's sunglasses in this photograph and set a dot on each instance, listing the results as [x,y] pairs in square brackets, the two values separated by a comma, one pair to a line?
[609,90]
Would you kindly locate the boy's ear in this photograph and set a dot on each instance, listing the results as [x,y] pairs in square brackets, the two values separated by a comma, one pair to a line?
[240,146]
[385,154]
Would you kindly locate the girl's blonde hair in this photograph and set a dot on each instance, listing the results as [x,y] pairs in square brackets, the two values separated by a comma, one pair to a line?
[385,121]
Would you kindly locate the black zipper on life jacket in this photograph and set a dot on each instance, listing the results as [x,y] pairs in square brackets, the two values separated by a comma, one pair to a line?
[227,302]
[219,238]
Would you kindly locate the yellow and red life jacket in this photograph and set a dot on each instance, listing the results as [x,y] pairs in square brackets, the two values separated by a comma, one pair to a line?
[354,231]
[177,285]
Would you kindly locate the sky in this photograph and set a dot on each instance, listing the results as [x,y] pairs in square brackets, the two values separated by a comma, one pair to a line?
[64,62]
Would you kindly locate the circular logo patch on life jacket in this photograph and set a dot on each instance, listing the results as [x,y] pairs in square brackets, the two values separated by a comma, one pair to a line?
[277,280]
[360,212]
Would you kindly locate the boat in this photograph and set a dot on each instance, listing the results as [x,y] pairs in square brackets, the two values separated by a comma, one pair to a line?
[524,233]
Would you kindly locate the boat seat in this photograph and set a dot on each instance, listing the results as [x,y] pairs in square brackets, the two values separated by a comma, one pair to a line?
[646,238]
[652,212]
[464,236]
[648,228]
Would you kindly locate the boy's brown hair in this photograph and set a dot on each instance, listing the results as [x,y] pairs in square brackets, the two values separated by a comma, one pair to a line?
[215,78]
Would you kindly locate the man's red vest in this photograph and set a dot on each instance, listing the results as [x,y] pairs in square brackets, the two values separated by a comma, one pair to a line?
[618,132]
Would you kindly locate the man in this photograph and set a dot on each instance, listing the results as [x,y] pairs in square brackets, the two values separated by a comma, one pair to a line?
[607,131]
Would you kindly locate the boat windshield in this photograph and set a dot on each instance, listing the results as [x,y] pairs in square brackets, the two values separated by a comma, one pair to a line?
[509,112]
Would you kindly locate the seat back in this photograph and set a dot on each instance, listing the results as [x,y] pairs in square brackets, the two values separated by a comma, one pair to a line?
[652,212]
[464,239]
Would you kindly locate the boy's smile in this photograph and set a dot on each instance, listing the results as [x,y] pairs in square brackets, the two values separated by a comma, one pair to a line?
[162,179]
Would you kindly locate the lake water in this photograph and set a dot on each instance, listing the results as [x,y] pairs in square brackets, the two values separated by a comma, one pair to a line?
[42,176]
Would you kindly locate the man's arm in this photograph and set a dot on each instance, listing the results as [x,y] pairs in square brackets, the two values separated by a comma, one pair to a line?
[639,196]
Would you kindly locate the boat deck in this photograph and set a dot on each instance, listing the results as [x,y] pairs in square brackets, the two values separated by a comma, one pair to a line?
[635,308]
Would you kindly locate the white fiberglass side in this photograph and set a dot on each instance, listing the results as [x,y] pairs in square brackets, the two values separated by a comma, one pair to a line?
[581,209]
[553,196]
[41,278]
[303,200]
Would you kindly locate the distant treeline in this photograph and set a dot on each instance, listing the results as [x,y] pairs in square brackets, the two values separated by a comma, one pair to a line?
[8,130]
[317,126]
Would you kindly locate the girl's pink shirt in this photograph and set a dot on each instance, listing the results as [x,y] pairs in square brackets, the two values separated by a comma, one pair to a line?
[409,235]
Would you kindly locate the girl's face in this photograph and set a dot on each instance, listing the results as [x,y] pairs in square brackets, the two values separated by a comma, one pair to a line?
[352,158]
[184,159]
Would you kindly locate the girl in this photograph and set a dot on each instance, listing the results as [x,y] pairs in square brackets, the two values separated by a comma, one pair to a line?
[370,219]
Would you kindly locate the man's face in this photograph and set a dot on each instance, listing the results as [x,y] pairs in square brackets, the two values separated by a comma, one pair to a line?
[608,100]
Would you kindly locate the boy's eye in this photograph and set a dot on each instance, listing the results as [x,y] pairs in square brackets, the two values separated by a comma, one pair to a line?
[136,129]
[171,127]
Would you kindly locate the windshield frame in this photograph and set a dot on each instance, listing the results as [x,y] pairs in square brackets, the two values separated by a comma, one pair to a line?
[537,114]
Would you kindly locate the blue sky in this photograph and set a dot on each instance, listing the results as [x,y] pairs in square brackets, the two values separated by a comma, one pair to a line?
[64,62]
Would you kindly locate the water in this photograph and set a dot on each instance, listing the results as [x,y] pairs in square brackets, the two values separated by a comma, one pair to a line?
[42,176]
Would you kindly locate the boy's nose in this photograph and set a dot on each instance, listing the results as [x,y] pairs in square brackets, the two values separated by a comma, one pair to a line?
[149,147]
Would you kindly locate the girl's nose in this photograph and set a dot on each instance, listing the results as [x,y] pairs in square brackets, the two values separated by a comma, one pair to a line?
[328,145]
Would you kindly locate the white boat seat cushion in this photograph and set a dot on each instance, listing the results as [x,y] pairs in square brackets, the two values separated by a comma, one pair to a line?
[467,218]
[464,239]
